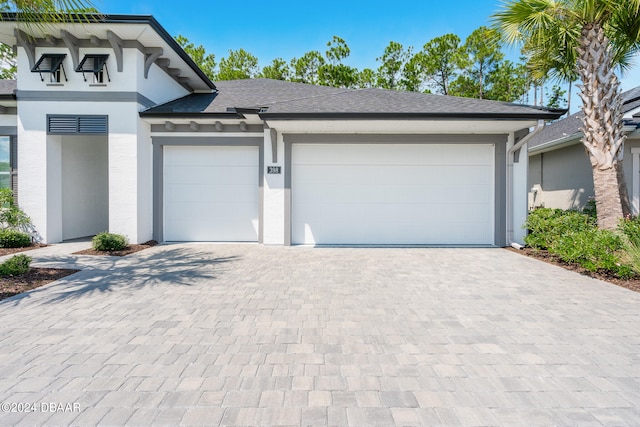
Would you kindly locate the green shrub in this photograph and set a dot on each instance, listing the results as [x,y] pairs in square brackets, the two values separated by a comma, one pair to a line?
[15,266]
[14,239]
[11,216]
[547,225]
[109,242]
[594,250]
[631,228]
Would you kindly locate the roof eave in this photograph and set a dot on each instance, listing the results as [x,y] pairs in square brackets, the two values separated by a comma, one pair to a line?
[568,140]
[129,19]
[408,116]
[190,115]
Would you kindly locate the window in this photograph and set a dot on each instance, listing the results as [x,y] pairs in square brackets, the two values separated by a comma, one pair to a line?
[96,65]
[51,63]
[5,162]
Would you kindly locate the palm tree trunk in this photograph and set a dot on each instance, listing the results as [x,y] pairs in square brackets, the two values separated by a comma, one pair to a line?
[602,125]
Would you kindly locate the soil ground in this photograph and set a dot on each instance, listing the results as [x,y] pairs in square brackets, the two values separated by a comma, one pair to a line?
[34,278]
[632,284]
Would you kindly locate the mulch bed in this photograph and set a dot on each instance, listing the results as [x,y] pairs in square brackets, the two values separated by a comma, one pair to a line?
[9,251]
[632,284]
[127,251]
[34,278]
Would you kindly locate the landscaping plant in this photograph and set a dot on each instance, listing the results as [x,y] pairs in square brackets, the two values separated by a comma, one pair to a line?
[14,239]
[15,266]
[109,242]
[574,238]
[13,222]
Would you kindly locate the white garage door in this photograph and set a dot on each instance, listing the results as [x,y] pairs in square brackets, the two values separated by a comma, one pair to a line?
[211,193]
[392,194]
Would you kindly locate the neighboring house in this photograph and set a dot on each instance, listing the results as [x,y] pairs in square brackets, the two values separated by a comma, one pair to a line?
[119,130]
[559,169]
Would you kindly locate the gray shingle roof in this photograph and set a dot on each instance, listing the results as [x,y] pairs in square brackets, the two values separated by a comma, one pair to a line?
[279,98]
[572,124]
[7,88]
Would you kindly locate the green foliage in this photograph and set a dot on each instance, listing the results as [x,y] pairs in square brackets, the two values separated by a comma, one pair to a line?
[392,61]
[206,62]
[333,72]
[277,70]
[11,216]
[547,225]
[14,239]
[594,250]
[109,242]
[443,58]
[305,68]
[555,98]
[240,64]
[15,266]
[483,51]
[630,227]
[8,61]
[367,78]
[574,237]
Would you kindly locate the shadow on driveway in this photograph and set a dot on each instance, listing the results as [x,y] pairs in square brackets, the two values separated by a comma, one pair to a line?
[177,266]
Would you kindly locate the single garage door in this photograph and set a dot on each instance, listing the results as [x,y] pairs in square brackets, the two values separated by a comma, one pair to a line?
[211,193]
[392,194]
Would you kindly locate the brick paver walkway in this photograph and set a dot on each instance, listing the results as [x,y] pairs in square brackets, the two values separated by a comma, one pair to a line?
[252,335]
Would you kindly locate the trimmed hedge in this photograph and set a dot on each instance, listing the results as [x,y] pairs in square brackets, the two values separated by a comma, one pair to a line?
[109,242]
[14,239]
[15,266]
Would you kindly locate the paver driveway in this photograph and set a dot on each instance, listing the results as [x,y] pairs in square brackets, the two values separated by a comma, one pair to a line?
[253,335]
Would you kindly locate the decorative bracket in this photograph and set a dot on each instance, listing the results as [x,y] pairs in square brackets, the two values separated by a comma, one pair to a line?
[150,56]
[72,44]
[116,45]
[25,41]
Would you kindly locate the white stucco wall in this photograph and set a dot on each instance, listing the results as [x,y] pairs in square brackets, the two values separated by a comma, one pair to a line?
[273,194]
[129,150]
[159,86]
[84,182]
[519,194]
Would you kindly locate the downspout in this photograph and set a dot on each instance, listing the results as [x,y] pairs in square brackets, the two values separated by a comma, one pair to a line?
[510,153]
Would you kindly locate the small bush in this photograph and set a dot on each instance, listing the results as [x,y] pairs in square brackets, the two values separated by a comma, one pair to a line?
[631,228]
[11,216]
[14,239]
[547,225]
[15,266]
[109,242]
[594,250]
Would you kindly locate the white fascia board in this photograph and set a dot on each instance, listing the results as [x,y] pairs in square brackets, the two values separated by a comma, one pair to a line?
[555,144]
[631,131]
[401,126]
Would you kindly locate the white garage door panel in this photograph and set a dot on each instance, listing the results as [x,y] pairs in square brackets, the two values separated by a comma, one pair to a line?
[392,194]
[211,194]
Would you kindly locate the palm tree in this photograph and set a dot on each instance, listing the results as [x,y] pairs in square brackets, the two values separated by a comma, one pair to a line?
[595,37]
[39,12]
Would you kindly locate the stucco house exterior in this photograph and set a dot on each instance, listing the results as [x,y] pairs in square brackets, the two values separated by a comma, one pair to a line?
[559,169]
[115,128]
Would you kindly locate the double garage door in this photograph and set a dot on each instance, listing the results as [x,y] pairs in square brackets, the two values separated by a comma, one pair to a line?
[400,194]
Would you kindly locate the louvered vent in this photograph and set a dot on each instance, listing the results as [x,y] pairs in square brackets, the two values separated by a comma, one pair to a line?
[71,125]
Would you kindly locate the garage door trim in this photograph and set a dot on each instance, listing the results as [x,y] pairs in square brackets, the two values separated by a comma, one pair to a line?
[158,172]
[500,176]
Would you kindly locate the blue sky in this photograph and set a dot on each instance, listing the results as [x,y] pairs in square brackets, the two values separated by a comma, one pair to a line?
[289,28]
